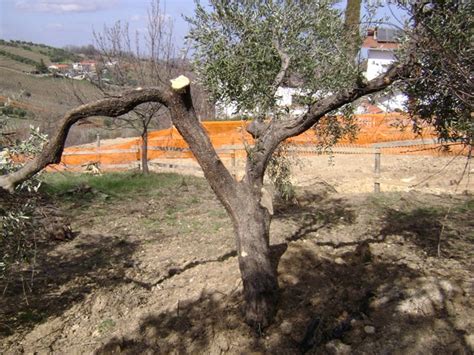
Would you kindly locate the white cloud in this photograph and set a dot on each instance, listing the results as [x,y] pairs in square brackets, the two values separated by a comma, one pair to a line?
[62,6]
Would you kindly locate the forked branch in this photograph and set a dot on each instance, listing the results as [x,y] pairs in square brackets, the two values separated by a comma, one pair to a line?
[278,131]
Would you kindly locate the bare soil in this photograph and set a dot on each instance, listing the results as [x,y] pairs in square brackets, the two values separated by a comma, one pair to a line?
[359,272]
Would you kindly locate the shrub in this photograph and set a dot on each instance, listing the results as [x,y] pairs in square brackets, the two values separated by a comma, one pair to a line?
[17,222]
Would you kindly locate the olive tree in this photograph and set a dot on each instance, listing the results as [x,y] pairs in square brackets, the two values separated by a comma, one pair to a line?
[244,50]
[441,84]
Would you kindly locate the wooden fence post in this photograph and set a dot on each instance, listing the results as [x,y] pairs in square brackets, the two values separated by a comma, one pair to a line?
[98,147]
[232,159]
[377,170]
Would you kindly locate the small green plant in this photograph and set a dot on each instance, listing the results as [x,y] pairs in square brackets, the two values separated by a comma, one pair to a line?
[13,112]
[106,326]
[41,67]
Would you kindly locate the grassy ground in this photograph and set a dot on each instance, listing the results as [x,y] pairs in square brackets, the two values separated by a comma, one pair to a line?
[116,185]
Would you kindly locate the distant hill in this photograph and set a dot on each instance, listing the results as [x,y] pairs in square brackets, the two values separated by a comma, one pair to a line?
[26,56]
[40,100]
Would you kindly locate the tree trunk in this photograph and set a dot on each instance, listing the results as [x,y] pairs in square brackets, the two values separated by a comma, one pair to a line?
[259,277]
[145,151]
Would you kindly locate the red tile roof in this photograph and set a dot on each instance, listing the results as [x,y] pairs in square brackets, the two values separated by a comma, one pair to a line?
[371,41]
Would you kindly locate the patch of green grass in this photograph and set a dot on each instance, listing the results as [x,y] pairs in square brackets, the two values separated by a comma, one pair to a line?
[465,207]
[115,185]
[106,326]
[217,213]
[194,200]
[382,200]
[216,226]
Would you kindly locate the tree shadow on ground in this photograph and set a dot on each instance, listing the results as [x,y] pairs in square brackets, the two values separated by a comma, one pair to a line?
[61,278]
[427,227]
[358,302]
[313,212]
[321,302]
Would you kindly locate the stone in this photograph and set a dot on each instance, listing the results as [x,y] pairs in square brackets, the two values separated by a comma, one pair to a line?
[368,329]
[337,347]
[470,341]
[286,327]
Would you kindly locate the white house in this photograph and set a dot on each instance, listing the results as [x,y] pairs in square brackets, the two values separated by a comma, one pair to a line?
[381,44]
[287,97]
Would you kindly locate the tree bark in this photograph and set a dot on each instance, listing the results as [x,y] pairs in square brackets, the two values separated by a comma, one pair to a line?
[259,276]
[144,151]
[251,221]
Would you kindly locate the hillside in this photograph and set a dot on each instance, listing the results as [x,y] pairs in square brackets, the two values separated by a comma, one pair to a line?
[44,99]
[39,100]
[24,56]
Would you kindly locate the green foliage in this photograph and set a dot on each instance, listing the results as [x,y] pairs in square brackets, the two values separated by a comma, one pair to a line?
[279,172]
[440,86]
[16,228]
[106,326]
[13,112]
[58,55]
[333,128]
[239,46]
[13,157]
[17,222]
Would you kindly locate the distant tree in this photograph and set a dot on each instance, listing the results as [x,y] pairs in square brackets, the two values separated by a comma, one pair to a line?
[130,60]
[243,52]
[41,67]
[88,50]
[127,64]
[352,23]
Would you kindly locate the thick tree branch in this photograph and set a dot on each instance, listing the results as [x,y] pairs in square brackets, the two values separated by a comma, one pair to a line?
[319,109]
[278,131]
[177,99]
[111,107]
[188,125]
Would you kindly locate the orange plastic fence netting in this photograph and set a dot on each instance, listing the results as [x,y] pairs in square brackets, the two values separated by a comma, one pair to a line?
[230,136]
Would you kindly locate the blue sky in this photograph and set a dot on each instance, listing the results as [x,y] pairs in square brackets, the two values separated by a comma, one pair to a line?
[62,22]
